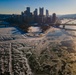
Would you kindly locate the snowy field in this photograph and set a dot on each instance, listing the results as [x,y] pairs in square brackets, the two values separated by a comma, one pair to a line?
[10,33]
[15,45]
[15,34]
[10,30]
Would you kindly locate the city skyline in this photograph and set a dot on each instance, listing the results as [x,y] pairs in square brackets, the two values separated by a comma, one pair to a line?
[54,6]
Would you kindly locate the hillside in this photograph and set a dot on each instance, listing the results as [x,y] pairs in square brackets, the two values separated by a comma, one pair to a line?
[67,16]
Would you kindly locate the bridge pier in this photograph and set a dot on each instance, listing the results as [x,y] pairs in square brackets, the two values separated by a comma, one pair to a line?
[63,26]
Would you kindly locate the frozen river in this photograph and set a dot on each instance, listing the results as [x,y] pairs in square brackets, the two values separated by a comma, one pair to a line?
[22,45]
[10,30]
[14,33]
[72,21]
[10,33]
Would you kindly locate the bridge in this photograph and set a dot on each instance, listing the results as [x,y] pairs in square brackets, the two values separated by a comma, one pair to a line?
[51,24]
[64,24]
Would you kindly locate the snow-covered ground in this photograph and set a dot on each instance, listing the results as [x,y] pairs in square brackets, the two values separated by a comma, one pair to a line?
[10,33]
[34,29]
[14,39]
[10,30]
[15,34]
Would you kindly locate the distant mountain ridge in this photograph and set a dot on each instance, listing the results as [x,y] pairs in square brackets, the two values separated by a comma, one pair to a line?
[67,16]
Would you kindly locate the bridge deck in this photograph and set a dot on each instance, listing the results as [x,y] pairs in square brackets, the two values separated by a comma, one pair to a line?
[65,24]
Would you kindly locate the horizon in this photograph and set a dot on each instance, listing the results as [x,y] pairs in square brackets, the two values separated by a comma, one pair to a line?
[54,6]
[38,14]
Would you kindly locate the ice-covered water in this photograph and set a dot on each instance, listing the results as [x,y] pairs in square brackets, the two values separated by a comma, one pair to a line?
[69,21]
[10,30]
[56,36]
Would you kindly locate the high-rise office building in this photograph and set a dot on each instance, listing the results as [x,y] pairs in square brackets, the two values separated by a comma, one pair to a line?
[22,13]
[47,13]
[28,9]
[41,11]
[35,12]
[54,18]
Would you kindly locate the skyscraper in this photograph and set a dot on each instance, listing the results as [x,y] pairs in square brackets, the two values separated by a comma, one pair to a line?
[41,11]
[22,13]
[54,18]
[35,12]
[28,9]
[47,13]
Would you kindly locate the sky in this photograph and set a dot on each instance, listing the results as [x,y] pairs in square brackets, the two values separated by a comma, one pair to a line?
[59,7]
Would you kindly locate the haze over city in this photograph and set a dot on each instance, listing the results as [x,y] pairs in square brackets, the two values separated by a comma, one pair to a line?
[58,6]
